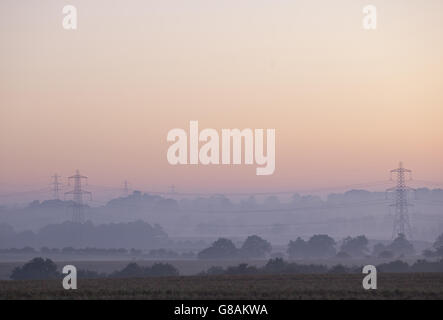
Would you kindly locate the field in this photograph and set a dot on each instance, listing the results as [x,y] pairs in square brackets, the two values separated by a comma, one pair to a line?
[329,286]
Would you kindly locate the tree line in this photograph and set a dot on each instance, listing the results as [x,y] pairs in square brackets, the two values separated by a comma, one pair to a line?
[317,246]
[151,254]
[42,269]
[282,267]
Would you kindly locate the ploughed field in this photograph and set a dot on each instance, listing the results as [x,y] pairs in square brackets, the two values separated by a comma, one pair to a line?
[327,286]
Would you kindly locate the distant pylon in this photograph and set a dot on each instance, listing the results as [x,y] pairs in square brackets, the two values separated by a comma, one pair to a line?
[125,188]
[56,186]
[401,217]
[78,207]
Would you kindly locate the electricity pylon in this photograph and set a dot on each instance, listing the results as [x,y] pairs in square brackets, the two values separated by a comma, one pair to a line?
[401,205]
[78,207]
[125,188]
[56,186]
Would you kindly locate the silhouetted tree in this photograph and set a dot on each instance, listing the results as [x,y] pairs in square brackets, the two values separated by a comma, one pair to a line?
[439,242]
[242,268]
[394,266]
[386,254]
[214,271]
[88,274]
[297,249]
[161,270]
[425,266]
[318,246]
[356,247]
[133,270]
[220,249]
[163,254]
[275,266]
[37,268]
[401,246]
[321,246]
[429,253]
[438,246]
[255,247]
[338,269]
[343,255]
[377,249]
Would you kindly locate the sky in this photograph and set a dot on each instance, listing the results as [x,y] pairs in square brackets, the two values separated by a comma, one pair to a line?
[347,104]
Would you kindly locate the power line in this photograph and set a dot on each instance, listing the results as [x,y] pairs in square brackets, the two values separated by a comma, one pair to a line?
[429,203]
[24,193]
[434,183]
[336,221]
[322,207]
[172,190]
[284,192]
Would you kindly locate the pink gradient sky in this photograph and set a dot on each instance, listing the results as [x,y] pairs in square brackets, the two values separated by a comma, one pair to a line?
[347,104]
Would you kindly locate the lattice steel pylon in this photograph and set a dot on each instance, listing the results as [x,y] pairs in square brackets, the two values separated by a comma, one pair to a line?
[56,186]
[401,205]
[125,188]
[78,207]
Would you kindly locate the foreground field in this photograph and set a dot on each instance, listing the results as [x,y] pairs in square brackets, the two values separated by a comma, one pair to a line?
[390,286]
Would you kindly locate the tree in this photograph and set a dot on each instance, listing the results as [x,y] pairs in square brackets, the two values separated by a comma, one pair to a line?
[401,246]
[377,249]
[220,249]
[161,270]
[255,247]
[214,271]
[132,270]
[45,250]
[321,246]
[242,268]
[438,246]
[342,255]
[356,247]
[297,249]
[394,266]
[386,254]
[38,269]
[429,253]
[338,269]
[275,266]
[439,242]
[318,246]
[89,274]
[439,252]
